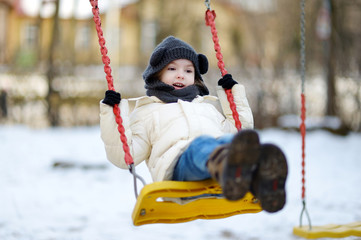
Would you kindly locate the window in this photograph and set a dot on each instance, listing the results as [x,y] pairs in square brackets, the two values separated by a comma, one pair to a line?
[83,37]
[30,36]
[148,37]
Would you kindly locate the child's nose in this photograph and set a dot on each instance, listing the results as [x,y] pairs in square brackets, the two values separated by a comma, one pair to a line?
[180,74]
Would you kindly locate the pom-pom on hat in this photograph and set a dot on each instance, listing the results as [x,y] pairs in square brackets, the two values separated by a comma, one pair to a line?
[171,49]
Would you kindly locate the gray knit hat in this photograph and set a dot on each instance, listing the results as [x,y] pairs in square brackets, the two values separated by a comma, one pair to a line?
[171,49]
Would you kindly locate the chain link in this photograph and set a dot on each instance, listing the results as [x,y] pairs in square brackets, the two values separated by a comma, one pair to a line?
[208,4]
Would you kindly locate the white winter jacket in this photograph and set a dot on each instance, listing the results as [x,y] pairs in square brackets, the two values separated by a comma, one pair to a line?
[159,132]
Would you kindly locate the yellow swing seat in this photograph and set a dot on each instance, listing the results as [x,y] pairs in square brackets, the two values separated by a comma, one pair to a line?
[329,231]
[151,208]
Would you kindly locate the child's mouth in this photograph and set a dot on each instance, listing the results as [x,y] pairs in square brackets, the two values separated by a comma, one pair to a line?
[178,85]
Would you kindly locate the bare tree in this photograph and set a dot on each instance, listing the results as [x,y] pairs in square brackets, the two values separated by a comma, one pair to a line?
[52,97]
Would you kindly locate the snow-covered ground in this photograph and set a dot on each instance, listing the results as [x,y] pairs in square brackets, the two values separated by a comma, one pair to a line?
[91,199]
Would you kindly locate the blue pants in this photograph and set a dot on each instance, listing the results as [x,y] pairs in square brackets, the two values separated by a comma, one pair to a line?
[192,164]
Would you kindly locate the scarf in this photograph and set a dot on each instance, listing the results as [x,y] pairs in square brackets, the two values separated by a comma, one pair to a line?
[169,94]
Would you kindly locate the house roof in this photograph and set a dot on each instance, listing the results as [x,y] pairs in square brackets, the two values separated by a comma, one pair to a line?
[15,4]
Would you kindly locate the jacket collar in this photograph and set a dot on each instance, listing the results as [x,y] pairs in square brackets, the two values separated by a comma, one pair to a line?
[144,100]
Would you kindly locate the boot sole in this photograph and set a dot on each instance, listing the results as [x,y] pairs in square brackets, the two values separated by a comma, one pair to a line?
[271,174]
[242,163]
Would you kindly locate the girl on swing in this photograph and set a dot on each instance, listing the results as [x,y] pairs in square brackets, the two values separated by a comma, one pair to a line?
[183,137]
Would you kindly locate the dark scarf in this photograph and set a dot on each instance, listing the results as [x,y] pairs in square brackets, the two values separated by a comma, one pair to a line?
[169,94]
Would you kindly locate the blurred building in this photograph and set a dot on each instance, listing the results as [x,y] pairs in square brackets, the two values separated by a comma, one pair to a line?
[132,30]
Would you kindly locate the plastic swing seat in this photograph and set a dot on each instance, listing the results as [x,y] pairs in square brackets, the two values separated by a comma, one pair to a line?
[151,208]
[329,231]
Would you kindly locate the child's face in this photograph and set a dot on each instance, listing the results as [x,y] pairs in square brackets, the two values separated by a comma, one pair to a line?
[179,73]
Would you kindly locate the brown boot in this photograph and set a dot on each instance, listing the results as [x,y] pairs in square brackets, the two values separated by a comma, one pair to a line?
[217,162]
[270,178]
[233,165]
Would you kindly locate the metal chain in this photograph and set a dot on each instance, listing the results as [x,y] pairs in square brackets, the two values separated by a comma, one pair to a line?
[208,4]
[303,45]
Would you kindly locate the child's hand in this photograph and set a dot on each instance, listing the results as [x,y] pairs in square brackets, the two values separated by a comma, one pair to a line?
[111,98]
[227,81]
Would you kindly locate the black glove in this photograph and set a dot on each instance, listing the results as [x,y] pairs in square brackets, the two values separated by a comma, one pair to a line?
[111,98]
[227,81]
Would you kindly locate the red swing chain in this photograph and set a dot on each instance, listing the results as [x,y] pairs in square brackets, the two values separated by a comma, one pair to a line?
[107,69]
[303,112]
[303,135]
[210,17]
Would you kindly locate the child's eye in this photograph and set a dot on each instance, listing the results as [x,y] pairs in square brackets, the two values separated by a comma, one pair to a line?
[171,68]
[189,70]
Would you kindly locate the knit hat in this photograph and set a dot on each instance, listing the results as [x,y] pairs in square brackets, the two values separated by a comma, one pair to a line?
[171,49]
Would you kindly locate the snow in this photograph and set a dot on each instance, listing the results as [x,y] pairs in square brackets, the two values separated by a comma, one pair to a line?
[91,199]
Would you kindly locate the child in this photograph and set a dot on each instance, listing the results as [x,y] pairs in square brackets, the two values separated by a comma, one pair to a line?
[182,136]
